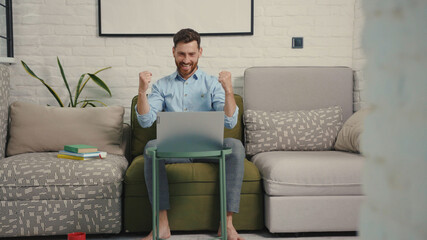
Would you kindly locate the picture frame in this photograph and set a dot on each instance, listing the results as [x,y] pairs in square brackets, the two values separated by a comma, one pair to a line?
[166,17]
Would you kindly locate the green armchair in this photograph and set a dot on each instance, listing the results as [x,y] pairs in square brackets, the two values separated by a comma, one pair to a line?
[194,195]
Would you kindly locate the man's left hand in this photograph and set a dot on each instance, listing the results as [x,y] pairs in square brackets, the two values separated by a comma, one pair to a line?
[225,79]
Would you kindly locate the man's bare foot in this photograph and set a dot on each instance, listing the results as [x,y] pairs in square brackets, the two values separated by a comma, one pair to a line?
[231,231]
[164,229]
[231,234]
[163,235]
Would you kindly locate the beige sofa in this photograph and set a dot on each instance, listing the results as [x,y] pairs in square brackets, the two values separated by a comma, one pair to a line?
[41,194]
[292,118]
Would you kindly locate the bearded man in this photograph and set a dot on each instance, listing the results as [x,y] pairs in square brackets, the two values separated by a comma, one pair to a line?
[190,89]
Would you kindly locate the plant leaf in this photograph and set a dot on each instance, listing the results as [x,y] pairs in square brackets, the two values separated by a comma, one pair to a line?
[102,69]
[84,84]
[78,91]
[29,71]
[84,104]
[87,80]
[65,81]
[101,83]
[91,100]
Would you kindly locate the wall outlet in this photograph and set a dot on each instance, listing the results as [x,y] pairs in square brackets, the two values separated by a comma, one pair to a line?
[297,42]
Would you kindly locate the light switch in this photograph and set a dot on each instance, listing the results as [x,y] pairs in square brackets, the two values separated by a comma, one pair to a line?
[297,42]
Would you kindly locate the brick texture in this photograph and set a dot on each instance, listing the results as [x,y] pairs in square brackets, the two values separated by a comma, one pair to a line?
[69,29]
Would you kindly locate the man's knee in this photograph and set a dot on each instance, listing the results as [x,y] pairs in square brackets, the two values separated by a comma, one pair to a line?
[237,148]
[151,143]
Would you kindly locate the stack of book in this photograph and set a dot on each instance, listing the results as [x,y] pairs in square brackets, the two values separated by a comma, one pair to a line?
[81,152]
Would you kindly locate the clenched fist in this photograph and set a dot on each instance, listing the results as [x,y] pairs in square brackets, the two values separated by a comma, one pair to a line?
[144,81]
[225,79]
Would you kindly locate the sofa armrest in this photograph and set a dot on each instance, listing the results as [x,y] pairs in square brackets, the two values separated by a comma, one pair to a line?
[4,108]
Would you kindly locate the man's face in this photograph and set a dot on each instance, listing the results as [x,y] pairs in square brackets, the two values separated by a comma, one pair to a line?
[186,58]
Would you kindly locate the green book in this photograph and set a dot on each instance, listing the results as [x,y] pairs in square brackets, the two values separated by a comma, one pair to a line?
[80,148]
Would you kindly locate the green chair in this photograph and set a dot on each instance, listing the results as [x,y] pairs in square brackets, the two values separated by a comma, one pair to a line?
[193,187]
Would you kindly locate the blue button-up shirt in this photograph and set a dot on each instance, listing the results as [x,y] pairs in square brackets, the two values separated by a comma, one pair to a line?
[200,92]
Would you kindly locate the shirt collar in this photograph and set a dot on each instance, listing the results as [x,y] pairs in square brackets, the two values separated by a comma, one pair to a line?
[196,75]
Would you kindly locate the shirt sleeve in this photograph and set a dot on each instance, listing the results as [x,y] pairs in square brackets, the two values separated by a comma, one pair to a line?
[218,103]
[156,102]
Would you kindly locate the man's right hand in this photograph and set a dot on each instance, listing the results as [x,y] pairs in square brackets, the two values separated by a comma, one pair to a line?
[144,81]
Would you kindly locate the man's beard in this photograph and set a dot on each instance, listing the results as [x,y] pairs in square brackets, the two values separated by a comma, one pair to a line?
[186,72]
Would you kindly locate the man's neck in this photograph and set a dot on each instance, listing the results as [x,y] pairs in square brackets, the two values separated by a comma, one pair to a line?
[189,75]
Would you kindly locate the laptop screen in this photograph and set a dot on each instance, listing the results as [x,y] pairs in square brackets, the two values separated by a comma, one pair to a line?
[190,131]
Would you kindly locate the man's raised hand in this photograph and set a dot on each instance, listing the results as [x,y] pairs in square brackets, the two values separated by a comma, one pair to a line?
[225,79]
[144,81]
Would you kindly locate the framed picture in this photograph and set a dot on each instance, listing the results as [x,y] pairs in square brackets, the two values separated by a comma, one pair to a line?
[166,17]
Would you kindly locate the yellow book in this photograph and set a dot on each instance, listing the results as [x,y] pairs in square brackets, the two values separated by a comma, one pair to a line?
[75,157]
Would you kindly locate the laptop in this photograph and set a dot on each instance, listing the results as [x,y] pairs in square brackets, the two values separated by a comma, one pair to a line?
[190,131]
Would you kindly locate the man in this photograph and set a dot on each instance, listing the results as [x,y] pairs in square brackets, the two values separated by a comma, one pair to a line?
[191,89]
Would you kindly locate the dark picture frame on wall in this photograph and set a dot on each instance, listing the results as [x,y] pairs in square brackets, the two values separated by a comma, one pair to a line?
[166,17]
[6,35]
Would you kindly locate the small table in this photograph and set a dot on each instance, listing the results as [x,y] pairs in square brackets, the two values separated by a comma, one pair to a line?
[212,154]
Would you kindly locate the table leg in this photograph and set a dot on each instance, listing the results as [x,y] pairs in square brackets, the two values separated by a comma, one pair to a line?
[157,200]
[155,212]
[222,190]
[223,197]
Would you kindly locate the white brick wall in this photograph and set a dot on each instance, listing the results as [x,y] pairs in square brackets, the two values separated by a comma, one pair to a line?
[359,58]
[395,137]
[45,29]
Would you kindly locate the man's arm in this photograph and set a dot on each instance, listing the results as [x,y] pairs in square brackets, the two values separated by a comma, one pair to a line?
[230,103]
[144,81]
[147,107]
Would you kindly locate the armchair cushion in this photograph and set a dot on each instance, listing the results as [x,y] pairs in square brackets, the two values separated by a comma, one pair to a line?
[189,178]
[43,176]
[36,128]
[310,173]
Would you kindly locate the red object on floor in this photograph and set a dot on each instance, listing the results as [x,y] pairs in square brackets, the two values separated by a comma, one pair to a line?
[77,236]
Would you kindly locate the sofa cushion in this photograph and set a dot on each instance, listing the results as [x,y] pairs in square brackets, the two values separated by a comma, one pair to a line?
[282,88]
[189,178]
[310,173]
[43,176]
[348,138]
[292,130]
[36,128]
[140,136]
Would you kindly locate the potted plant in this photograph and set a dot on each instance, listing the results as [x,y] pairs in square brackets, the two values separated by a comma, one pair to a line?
[84,79]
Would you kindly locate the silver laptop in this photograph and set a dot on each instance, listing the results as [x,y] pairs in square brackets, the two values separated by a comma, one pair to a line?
[190,131]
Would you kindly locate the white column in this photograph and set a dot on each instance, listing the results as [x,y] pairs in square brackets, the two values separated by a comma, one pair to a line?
[395,138]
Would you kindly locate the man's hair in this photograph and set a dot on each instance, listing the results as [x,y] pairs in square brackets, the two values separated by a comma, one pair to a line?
[186,35]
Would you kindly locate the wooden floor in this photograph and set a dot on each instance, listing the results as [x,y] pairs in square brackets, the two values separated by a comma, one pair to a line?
[248,235]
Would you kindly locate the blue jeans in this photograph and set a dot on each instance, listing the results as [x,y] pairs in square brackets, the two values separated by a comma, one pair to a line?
[234,169]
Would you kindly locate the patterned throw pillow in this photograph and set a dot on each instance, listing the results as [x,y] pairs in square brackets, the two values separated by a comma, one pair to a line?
[311,130]
[348,138]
